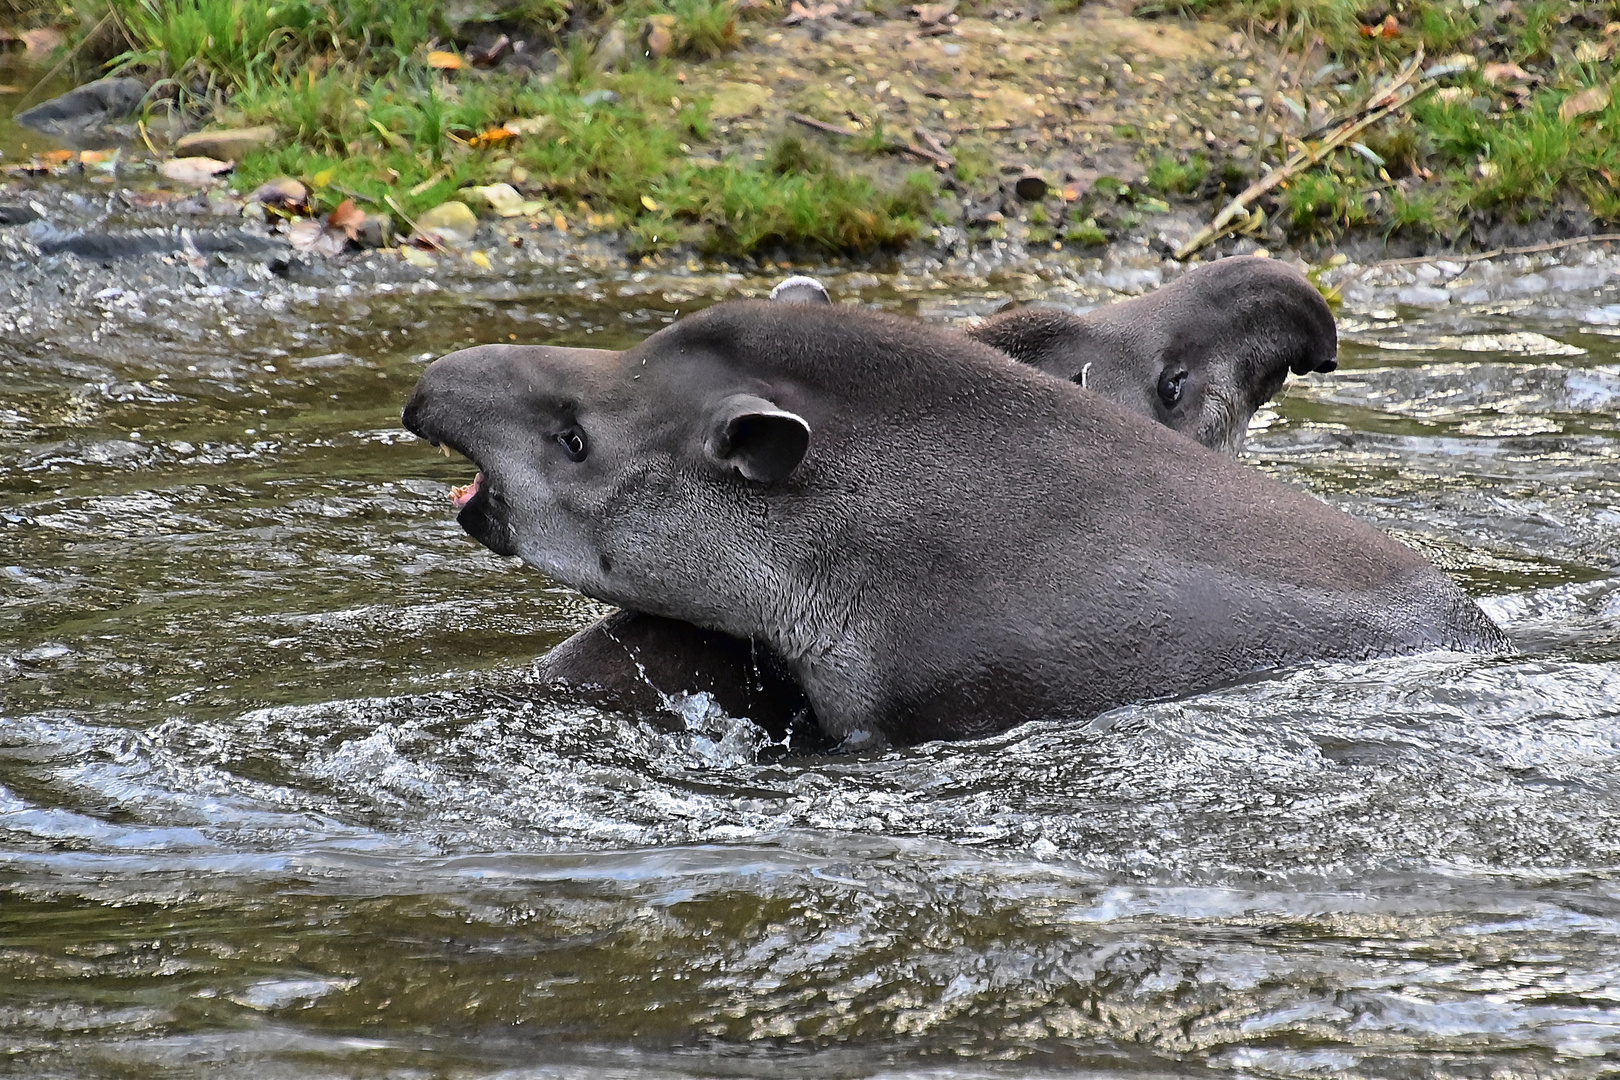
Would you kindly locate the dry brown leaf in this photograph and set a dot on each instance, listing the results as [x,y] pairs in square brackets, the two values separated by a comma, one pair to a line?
[444,61]
[348,218]
[56,157]
[1592,99]
[1496,73]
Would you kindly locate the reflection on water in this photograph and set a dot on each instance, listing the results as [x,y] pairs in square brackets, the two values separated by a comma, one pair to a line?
[277,796]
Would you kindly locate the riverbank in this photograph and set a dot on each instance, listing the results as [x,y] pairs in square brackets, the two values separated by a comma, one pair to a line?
[713,130]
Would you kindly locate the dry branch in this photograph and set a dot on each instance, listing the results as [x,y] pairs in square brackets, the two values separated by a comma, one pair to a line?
[1380,105]
[944,161]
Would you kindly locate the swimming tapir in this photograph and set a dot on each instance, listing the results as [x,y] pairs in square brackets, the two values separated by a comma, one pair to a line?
[937,541]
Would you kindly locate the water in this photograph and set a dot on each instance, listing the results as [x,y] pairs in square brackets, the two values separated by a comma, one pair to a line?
[279,798]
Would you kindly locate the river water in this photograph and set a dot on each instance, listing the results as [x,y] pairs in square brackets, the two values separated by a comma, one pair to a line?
[278,796]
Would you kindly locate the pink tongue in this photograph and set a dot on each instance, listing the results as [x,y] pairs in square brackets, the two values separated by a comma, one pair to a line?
[462,494]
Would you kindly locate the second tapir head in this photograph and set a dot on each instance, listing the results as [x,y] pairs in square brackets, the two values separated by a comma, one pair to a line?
[1199,355]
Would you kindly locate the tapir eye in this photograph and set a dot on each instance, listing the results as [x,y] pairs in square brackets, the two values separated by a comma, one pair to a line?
[572,440]
[1171,384]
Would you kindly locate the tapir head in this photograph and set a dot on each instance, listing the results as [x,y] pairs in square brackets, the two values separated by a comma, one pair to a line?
[1199,355]
[638,477]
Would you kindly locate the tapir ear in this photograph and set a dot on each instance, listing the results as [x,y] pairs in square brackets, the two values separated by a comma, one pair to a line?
[759,440]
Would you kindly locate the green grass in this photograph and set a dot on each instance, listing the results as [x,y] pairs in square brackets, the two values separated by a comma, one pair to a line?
[1171,177]
[363,116]
[405,136]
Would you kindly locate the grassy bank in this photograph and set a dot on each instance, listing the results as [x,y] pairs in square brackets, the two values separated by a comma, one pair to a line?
[620,122]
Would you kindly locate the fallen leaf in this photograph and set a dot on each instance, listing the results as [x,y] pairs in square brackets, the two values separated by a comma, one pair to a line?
[1592,99]
[1496,73]
[647,201]
[195,170]
[56,157]
[7,88]
[444,61]
[347,218]
[418,258]
[491,136]
[559,223]
[1389,28]
[322,178]
[479,259]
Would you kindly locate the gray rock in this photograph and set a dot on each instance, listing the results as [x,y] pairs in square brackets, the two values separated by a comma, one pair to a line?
[85,107]
[1530,285]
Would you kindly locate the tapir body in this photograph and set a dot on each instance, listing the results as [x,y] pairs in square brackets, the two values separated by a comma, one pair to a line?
[937,540]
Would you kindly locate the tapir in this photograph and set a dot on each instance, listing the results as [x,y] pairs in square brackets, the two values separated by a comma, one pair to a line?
[934,539]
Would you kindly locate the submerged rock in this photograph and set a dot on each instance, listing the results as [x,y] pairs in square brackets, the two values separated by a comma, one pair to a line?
[85,107]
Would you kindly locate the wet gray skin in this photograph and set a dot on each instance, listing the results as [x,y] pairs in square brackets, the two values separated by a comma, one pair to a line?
[281,796]
[1199,355]
[700,476]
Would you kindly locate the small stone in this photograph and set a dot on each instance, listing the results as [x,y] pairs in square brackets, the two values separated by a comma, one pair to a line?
[1530,285]
[502,198]
[376,230]
[448,223]
[195,170]
[91,104]
[610,50]
[599,97]
[283,193]
[232,144]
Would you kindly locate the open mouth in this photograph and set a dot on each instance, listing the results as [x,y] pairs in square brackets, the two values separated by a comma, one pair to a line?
[462,494]
[480,507]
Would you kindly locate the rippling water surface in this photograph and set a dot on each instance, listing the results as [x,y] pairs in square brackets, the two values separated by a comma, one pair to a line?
[278,796]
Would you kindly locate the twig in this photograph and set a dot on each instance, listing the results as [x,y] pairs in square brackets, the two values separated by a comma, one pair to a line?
[1387,101]
[416,230]
[944,161]
[140,125]
[936,146]
[1494,253]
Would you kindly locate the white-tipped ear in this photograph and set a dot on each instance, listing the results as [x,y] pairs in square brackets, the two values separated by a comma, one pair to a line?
[762,442]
